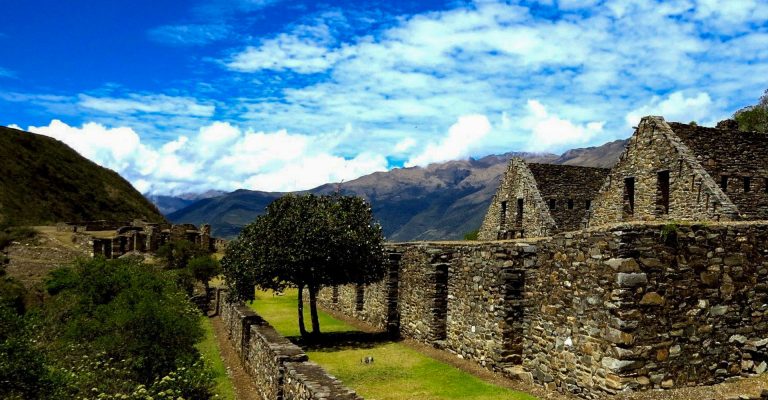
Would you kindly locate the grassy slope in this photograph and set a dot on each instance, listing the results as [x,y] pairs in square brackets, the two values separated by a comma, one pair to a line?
[44,181]
[398,372]
[212,355]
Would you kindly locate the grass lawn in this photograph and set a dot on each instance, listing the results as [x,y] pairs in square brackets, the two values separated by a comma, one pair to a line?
[398,372]
[212,355]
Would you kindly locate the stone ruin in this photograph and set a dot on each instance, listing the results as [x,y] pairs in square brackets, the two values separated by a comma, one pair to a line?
[673,171]
[651,275]
[138,236]
[536,200]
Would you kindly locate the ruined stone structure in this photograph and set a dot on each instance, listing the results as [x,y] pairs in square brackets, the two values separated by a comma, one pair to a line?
[611,308]
[536,200]
[279,368]
[138,236]
[594,312]
[672,171]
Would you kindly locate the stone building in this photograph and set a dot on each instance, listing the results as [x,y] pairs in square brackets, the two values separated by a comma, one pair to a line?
[673,171]
[540,200]
[144,237]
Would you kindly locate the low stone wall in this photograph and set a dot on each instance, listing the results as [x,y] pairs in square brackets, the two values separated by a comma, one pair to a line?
[593,312]
[279,368]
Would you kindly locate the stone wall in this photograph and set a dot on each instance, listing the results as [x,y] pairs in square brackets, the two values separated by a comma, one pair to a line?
[568,192]
[279,368]
[599,311]
[374,303]
[654,149]
[536,200]
[502,221]
[733,156]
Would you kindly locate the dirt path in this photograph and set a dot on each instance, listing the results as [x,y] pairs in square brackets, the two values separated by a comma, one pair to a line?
[245,389]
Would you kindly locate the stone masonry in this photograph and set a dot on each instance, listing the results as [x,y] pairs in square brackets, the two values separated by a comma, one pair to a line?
[541,199]
[595,312]
[279,368]
[672,171]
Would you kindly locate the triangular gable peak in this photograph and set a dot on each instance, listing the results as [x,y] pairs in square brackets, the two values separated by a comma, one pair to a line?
[540,199]
[658,177]
[517,209]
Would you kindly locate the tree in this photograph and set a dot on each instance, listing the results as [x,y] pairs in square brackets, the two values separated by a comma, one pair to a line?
[309,242]
[203,268]
[754,118]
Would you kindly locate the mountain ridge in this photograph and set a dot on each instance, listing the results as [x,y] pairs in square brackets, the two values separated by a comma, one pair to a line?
[441,201]
[43,181]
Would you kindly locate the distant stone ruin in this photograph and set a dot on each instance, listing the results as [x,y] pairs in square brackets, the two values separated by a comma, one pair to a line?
[111,239]
[536,200]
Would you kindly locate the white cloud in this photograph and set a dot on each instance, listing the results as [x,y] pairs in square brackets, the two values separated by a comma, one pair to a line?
[6,73]
[405,145]
[548,131]
[676,107]
[219,156]
[308,49]
[189,34]
[422,72]
[152,104]
[459,142]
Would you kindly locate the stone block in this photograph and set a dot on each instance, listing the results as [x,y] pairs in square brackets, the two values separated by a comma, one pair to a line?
[631,279]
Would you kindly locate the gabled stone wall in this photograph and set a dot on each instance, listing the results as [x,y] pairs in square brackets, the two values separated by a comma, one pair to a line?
[654,148]
[732,155]
[502,220]
[554,198]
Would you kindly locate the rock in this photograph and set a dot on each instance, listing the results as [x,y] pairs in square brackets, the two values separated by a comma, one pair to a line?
[631,279]
[741,339]
[761,367]
[620,365]
[652,299]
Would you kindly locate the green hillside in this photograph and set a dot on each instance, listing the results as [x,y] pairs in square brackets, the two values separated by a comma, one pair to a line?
[44,181]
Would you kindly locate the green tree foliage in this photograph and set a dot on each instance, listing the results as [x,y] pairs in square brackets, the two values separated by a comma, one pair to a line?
[176,254]
[307,241]
[754,118]
[471,235]
[177,257]
[120,323]
[203,268]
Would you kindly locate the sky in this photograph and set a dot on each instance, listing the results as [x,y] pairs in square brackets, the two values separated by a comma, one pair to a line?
[184,96]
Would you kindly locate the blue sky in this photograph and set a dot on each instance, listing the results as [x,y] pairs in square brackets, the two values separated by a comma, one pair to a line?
[186,96]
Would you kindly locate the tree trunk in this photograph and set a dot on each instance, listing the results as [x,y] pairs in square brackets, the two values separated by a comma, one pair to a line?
[313,310]
[302,329]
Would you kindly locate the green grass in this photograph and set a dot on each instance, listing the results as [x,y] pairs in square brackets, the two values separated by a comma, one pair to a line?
[398,372]
[209,348]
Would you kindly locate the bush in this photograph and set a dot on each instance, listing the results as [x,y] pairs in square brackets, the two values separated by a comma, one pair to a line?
[23,373]
[10,234]
[120,324]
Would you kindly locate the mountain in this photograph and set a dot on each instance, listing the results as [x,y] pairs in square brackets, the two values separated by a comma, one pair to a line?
[227,214]
[43,181]
[169,204]
[604,156]
[440,201]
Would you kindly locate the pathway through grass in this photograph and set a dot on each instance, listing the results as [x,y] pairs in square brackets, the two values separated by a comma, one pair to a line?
[209,348]
[398,372]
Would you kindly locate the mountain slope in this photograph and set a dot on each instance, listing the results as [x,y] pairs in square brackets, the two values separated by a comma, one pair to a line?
[43,181]
[440,201]
[170,204]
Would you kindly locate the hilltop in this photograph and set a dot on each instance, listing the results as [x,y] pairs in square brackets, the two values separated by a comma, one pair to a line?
[44,181]
[440,201]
